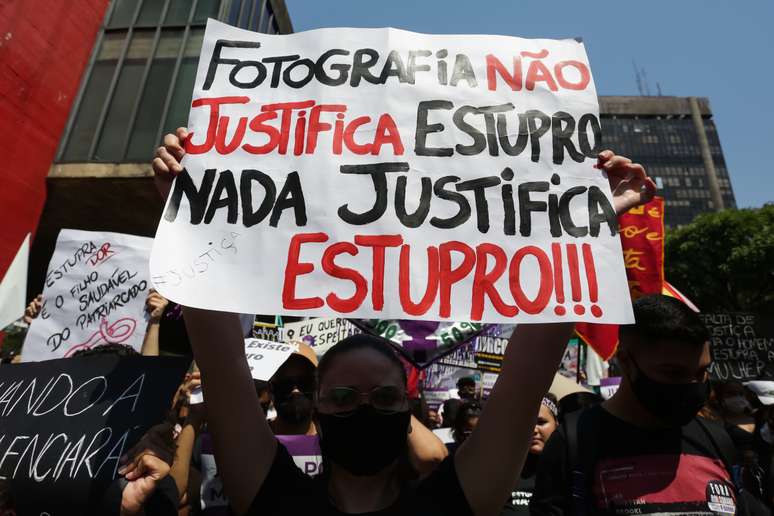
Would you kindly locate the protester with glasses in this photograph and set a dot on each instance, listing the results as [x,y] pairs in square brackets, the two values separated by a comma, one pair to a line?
[363,414]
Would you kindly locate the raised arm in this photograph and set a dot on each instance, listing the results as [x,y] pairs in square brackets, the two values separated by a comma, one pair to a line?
[426,450]
[490,460]
[244,444]
[154,305]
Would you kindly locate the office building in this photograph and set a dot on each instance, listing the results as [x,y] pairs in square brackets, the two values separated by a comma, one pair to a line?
[676,139]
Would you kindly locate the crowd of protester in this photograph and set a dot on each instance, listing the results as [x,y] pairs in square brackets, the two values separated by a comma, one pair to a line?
[667,442]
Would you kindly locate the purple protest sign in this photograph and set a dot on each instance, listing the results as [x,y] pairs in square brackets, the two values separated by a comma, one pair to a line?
[422,342]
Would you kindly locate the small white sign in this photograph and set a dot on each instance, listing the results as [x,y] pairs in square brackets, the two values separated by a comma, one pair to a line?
[94,294]
[265,357]
[196,397]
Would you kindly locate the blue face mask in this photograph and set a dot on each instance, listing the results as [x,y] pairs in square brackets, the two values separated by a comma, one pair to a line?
[676,404]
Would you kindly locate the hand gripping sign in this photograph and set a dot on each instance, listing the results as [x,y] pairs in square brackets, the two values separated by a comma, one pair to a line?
[384,174]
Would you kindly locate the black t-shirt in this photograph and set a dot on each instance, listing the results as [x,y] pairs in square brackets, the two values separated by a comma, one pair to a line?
[287,491]
[520,497]
[630,470]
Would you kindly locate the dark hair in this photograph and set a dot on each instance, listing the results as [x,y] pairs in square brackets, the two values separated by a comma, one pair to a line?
[356,342]
[466,381]
[450,409]
[467,410]
[420,410]
[577,401]
[121,350]
[659,317]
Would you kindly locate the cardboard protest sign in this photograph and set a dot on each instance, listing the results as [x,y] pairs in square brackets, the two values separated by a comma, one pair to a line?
[380,173]
[64,424]
[742,347]
[94,294]
[319,334]
[265,357]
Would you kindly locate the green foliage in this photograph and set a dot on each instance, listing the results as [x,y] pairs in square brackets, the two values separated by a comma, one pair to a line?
[724,261]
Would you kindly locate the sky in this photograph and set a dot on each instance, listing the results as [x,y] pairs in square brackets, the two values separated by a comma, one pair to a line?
[720,49]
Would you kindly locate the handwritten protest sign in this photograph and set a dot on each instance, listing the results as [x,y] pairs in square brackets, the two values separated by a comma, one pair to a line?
[64,424]
[319,334]
[94,293]
[265,357]
[742,349]
[393,175]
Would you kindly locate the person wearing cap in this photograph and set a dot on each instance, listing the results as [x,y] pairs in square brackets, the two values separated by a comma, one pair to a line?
[292,388]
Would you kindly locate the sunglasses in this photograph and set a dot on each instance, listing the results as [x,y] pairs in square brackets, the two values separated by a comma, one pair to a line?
[344,400]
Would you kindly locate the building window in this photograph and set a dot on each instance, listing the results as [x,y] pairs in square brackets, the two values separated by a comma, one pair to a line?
[138,85]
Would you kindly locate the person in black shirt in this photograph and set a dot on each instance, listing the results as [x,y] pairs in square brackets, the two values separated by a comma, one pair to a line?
[363,440]
[644,451]
[547,422]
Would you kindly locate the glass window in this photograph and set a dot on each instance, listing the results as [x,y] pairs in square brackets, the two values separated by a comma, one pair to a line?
[143,139]
[181,99]
[234,12]
[116,125]
[150,12]
[123,13]
[94,95]
[206,9]
[260,6]
[141,79]
[266,15]
[177,13]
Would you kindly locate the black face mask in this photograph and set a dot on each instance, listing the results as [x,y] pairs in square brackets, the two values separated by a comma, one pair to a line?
[366,441]
[294,409]
[674,403]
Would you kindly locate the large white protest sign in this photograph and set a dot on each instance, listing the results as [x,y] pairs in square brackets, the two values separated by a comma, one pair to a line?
[380,173]
[265,357]
[94,294]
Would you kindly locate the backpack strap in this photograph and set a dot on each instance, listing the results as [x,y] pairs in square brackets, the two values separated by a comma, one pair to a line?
[746,502]
[724,447]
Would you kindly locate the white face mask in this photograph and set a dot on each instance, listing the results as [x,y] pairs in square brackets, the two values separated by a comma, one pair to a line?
[736,404]
[766,434]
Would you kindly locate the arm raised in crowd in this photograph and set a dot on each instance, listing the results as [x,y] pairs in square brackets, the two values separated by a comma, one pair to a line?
[244,444]
[154,305]
[490,460]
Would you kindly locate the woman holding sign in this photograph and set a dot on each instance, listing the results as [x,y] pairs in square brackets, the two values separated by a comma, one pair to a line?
[363,412]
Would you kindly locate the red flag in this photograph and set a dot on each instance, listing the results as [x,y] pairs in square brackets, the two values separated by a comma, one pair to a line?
[642,241]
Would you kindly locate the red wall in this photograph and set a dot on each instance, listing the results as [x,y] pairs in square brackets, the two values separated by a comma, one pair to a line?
[44,48]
